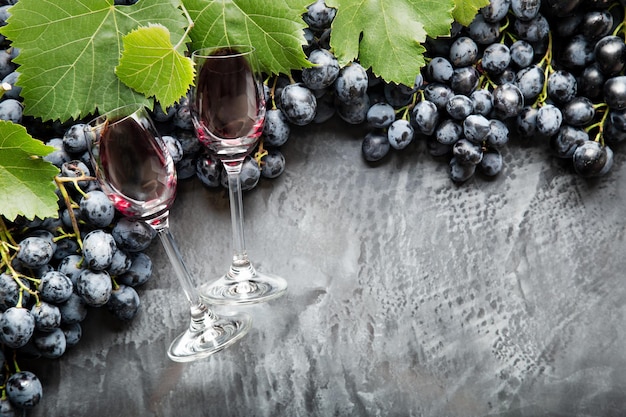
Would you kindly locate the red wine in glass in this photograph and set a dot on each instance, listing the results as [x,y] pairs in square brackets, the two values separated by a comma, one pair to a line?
[229,102]
[135,170]
[228,112]
[141,178]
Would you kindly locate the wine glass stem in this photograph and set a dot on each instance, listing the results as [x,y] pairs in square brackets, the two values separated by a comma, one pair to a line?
[240,256]
[198,309]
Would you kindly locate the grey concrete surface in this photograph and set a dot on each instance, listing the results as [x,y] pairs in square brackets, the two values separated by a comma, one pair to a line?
[409,296]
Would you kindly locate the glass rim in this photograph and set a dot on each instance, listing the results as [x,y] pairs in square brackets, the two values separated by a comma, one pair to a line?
[240,49]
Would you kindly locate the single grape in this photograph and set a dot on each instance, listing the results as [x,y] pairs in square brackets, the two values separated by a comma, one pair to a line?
[549,119]
[576,53]
[496,10]
[425,116]
[94,287]
[492,163]
[319,16]
[273,164]
[50,344]
[463,52]
[324,71]
[71,266]
[35,251]
[351,83]
[460,172]
[17,325]
[465,80]
[610,55]
[438,94]
[74,310]
[98,249]
[579,111]
[124,303]
[24,389]
[182,116]
[525,9]
[400,134]
[208,170]
[459,106]
[354,112]
[508,100]
[119,264]
[139,272]
[325,107]
[496,58]
[615,92]
[448,132]
[597,24]
[439,70]
[55,287]
[97,209]
[74,140]
[522,53]
[298,104]
[530,81]
[249,176]
[476,128]
[482,102]
[65,247]
[375,146]
[380,115]
[482,31]
[132,235]
[7,409]
[498,134]
[9,291]
[534,30]
[467,152]
[47,316]
[276,129]
[592,159]
[11,109]
[591,81]
[562,86]
[174,147]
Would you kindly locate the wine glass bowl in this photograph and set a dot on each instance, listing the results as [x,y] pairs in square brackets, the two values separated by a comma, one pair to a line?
[131,165]
[135,170]
[228,101]
[228,113]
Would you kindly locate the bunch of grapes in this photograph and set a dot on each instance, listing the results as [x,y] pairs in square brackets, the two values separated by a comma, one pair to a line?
[54,270]
[547,70]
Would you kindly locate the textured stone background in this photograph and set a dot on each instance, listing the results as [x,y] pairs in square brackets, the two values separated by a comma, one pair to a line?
[409,296]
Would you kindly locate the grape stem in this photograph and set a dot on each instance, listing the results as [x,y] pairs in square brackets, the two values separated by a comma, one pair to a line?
[60,181]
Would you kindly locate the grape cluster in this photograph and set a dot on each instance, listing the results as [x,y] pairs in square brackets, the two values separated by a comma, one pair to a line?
[547,70]
[54,270]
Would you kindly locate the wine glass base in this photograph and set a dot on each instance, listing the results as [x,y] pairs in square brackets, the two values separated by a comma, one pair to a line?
[217,335]
[259,288]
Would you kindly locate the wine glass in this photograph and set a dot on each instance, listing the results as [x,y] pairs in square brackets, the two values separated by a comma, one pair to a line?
[228,112]
[137,173]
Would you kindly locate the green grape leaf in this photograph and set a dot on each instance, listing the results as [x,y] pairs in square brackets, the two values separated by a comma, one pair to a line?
[69,51]
[465,10]
[275,28]
[151,65]
[26,180]
[387,35]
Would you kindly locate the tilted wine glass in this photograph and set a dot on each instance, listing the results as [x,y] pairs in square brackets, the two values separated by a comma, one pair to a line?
[136,171]
[228,112]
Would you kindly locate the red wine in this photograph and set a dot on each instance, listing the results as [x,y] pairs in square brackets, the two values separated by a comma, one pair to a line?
[141,176]
[229,103]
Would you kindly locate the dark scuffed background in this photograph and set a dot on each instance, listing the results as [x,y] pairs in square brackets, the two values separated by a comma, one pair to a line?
[409,295]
